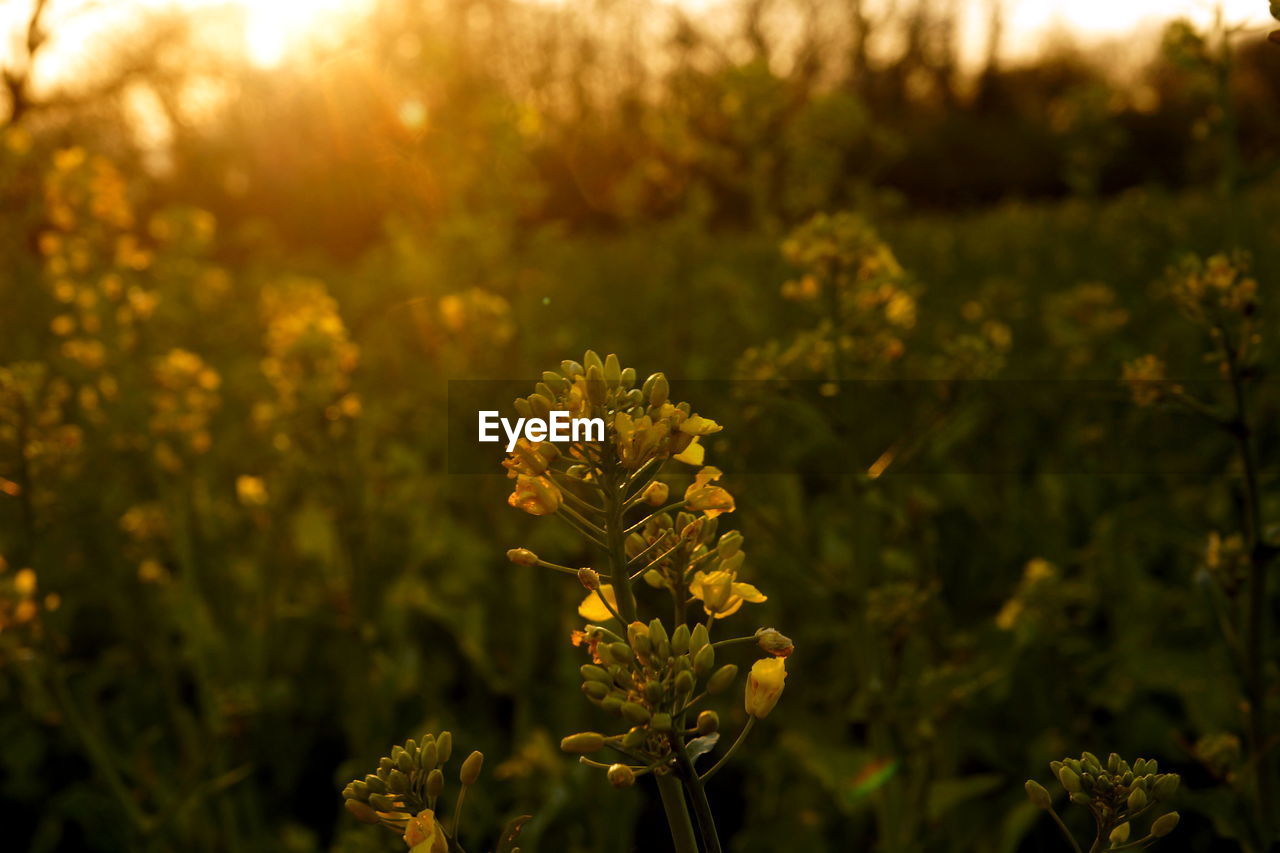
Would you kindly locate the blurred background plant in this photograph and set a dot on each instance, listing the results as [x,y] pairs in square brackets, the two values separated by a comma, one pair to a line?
[237,560]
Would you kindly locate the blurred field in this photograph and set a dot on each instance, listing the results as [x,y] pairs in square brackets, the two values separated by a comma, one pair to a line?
[237,566]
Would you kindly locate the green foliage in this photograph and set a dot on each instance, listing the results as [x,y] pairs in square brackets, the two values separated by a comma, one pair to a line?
[236,568]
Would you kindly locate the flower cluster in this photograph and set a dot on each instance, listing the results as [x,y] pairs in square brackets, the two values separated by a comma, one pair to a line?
[644,428]
[35,435]
[654,676]
[21,604]
[1147,379]
[476,312]
[185,400]
[1078,318]
[1213,288]
[310,356]
[92,259]
[864,301]
[405,795]
[1115,793]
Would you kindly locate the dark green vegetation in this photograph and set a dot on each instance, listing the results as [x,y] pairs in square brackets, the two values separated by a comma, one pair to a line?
[223,451]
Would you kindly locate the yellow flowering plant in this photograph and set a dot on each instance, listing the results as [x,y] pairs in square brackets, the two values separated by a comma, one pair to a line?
[405,794]
[654,676]
[1116,794]
[1220,297]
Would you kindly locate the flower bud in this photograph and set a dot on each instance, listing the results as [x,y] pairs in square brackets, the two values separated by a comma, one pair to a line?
[633,738]
[589,578]
[684,682]
[721,679]
[540,406]
[661,722]
[1166,786]
[444,747]
[591,672]
[522,557]
[382,803]
[595,690]
[660,389]
[361,811]
[774,642]
[435,783]
[470,770]
[656,493]
[680,640]
[708,722]
[729,544]
[1137,799]
[1120,834]
[571,368]
[621,776]
[620,653]
[375,784]
[698,638]
[765,683]
[654,578]
[1070,780]
[1038,795]
[597,393]
[1164,824]
[704,660]
[398,782]
[635,712]
[583,743]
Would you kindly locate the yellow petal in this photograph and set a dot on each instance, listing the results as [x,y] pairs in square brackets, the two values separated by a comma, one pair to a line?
[698,425]
[749,593]
[693,454]
[592,608]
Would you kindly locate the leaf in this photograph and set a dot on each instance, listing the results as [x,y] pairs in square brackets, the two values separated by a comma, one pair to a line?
[702,745]
[507,843]
[949,793]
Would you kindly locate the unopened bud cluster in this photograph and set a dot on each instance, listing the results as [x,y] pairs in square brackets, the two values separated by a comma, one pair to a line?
[404,792]
[1115,792]
[648,681]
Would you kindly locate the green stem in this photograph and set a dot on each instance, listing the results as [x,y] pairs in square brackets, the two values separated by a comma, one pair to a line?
[1053,814]
[615,544]
[701,808]
[742,735]
[1256,615]
[672,793]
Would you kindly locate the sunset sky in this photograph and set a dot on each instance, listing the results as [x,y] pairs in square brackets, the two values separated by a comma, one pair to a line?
[270,27]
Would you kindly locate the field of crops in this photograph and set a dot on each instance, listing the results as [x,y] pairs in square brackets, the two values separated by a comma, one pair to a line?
[981,419]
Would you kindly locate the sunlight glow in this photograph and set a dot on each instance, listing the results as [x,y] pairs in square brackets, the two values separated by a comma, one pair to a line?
[270,29]
[273,26]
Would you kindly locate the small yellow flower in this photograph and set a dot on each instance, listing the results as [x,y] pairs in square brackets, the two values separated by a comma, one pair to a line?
[638,438]
[535,495]
[721,595]
[424,834]
[24,582]
[1146,379]
[530,458]
[252,491]
[701,496]
[764,686]
[592,608]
